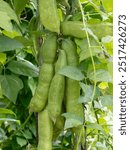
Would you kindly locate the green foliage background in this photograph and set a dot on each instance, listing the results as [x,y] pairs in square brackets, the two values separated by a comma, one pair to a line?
[19,29]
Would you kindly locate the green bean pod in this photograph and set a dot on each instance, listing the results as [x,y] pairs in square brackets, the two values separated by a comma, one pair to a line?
[45,131]
[49,48]
[57,87]
[76,29]
[49,15]
[39,100]
[72,90]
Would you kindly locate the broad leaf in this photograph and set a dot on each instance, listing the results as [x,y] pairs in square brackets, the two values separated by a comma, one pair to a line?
[19,5]
[108,6]
[24,67]
[5,22]
[106,100]
[27,134]
[87,93]
[108,44]
[72,120]
[21,141]
[101,29]
[11,85]
[85,49]
[5,7]
[72,72]
[101,75]
[8,44]
[96,127]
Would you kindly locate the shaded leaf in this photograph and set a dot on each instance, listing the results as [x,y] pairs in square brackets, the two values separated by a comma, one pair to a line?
[72,120]
[88,90]
[23,67]
[71,72]
[21,141]
[12,44]
[11,85]
[32,85]
[19,5]
[27,134]
[87,93]
[106,100]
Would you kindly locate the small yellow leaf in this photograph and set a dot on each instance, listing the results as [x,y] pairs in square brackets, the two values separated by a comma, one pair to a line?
[103,85]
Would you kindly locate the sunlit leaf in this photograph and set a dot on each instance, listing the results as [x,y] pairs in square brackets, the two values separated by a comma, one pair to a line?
[103,85]
[2,58]
[5,22]
[5,7]
[6,111]
[96,127]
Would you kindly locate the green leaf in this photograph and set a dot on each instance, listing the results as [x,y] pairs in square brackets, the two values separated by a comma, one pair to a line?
[32,84]
[106,100]
[21,141]
[84,48]
[103,85]
[11,85]
[5,7]
[108,44]
[88,90]
[96,126]
[5,22]
[87,93]
[71,72]
[23,67]
[110,68]
[10,120]
[101,29]
[101,76]
[26,42]
[108,6]
[2,58]
[8,44]
[27,134]
[72,120]
[6,111]
[19,5]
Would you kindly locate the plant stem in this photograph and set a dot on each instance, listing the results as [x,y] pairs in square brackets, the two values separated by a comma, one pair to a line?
[90,51]
[22,126]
